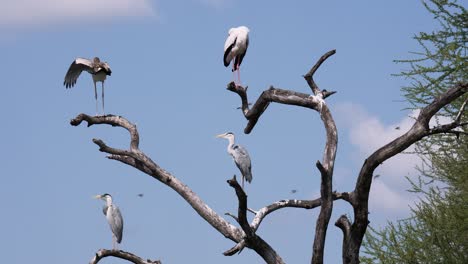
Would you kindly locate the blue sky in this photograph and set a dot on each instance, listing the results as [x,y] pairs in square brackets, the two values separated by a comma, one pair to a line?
[168,78]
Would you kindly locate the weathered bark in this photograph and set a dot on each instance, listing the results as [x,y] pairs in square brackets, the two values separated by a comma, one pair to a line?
[245,235]
[345,226]
[420,129]
[251,239]
[103,253]
[325,167]
[137,159]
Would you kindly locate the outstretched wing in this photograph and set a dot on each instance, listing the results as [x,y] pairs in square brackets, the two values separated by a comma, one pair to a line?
[75,70]
[116,222]
[228,46]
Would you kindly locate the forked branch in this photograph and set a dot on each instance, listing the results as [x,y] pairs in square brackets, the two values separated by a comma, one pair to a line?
[419,130]
[103,253]
[137,159]
[251,239]
[317,103]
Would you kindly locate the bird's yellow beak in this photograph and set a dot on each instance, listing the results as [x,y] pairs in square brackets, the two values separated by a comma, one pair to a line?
[97,196]
[220,135]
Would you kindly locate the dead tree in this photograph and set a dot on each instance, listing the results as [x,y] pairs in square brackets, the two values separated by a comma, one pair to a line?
[245,235]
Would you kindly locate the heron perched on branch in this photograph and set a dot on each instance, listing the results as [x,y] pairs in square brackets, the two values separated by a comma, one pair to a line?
[240,155]
[235,47]
[98,70]
[114,217]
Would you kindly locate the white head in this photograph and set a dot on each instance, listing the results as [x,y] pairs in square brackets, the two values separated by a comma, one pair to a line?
[241,28]
[105,197]
[227,135]
[244,28]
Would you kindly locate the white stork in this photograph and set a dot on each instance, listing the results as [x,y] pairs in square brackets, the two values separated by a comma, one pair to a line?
[99,70]
[235,47]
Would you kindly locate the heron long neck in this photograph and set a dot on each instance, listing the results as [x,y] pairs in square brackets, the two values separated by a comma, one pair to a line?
[108,201]
[230,145]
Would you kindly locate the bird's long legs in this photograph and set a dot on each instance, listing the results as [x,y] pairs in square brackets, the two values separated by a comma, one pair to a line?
[95,97]
[114,242]
[103,112]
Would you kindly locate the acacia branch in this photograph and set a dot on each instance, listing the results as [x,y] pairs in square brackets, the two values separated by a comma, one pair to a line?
[103,253]
[293,203]
[419,130]
[275,95]
[309,75]
[251,239]
[316,103]
[113,121]
[345,226]
[137,159]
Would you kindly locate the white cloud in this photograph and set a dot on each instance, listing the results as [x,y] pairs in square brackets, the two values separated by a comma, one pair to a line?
[29,13]
[384,199]
[367,133]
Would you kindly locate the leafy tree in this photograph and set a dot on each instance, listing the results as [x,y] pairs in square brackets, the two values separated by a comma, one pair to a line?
[437,230]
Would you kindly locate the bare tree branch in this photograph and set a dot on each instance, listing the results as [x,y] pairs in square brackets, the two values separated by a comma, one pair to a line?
[135,158]
[251,239]
[345,226]
[276,95]
[419,130]
[326,167]
[316,103]
[113,121]
[293,203]
[103,253]
[236,249]
[309,76]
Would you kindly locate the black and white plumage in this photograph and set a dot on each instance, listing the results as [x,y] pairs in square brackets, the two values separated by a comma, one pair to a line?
[235,47]
[114,218]
[98,70]
[240,155]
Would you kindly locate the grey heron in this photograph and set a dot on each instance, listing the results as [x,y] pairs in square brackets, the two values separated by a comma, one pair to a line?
[240,155]
[98,70]
[235,47]
[114,218]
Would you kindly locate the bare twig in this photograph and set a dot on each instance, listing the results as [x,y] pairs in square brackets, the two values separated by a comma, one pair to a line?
[233,216]
[103,253]
[309,75]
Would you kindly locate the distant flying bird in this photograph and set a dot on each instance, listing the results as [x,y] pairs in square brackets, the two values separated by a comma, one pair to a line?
[114,217]
[241,157]
[98,70]
[140,195]
[235,48]
[294,191]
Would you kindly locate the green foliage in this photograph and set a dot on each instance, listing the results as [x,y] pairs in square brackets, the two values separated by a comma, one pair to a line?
[437,231]
[443,60]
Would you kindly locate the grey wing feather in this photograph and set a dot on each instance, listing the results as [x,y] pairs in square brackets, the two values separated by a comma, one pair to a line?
[116,223]
[104,209]
[75,70]
[242,159]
